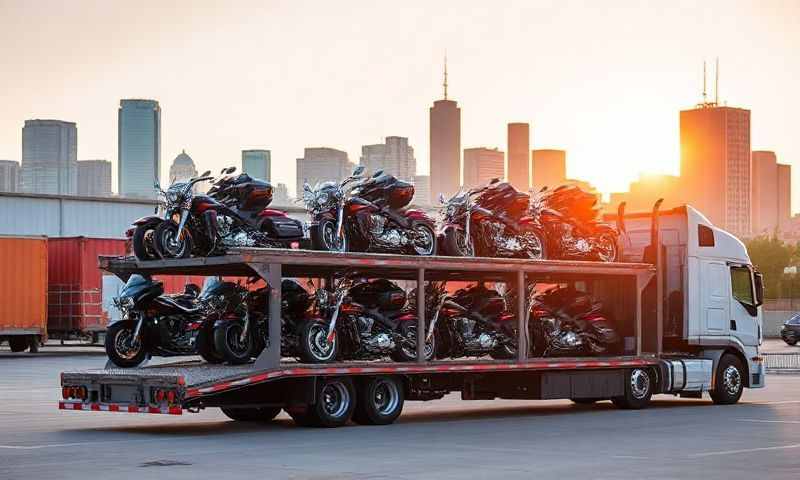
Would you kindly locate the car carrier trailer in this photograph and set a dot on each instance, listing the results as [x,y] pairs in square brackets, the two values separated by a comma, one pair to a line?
[688,325]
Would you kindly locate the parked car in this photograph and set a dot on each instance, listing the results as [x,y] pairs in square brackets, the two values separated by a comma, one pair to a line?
[790,333]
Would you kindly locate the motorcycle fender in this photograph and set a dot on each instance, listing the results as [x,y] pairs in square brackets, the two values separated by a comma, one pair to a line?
[329,215]
[408,317]
[150,220]
[418,216]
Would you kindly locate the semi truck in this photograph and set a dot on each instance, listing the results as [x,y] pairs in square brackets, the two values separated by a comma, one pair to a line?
[685,298]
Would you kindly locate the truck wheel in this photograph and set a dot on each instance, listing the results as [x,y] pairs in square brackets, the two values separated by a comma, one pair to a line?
[336,401]
[380,401]
[33,342]
[729,381]
[258,414]
[118,345]
[18,343]
[228,342]
[638,390]
[205,344]
[314,345]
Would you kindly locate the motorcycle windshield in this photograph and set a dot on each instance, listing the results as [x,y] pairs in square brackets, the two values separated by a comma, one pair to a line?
[135,285]
[211,286]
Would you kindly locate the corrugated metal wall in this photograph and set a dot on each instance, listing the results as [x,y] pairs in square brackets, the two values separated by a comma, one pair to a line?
[55,216]
[23,285]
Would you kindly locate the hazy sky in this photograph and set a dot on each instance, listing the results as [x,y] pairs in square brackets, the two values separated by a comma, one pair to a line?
[604,80]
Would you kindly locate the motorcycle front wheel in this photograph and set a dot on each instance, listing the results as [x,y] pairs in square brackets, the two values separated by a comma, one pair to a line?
[607,248]
[456,244]
[406,350]
[314,344]
[143,247]
[120,346]
[424,242]
[229,343]
[169,244]
[324,237]
[537,246]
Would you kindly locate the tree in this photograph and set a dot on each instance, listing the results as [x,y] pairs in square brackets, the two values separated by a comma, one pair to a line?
[770,255]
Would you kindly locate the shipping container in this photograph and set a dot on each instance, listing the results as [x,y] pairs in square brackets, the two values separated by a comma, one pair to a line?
[79,294]
[23,291]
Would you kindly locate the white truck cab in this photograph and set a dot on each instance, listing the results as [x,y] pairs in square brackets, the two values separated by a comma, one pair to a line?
[709,292]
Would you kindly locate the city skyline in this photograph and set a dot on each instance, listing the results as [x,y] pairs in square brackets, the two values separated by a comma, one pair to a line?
[614,126]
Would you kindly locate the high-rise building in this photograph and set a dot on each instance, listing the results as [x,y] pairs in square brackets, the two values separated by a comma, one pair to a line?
[94,178]
[9,176]
[395,156]
[257,163]
[549,168]
[50,157]
[280,194]
[445,144]
[139,147]
[764,192]
[519,156]
[481,165]
[784,195]
[643,193]
[321,164]
[422,190]
[715,164]
[182,168]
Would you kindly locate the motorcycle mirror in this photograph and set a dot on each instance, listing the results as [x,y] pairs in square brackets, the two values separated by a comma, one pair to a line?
[441,198]
[543,189]
[230,170]
[494,180]
[358,171]
[206,173]
[377,174]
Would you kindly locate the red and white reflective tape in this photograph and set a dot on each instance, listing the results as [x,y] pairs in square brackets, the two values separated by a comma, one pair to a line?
[113,407]
[390,369]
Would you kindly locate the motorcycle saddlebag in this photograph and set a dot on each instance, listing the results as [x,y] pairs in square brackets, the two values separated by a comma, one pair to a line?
[283,228]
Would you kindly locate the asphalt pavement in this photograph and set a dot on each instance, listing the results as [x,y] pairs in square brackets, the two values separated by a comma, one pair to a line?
[444,439]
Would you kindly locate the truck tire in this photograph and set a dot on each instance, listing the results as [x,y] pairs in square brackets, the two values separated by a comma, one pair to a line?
[18,343]
[256,414]
[314,346]
[638,390]
[380,401]
[729,381]
[336,400]
[117,338]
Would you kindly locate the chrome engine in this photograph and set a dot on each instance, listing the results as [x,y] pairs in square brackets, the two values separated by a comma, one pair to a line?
[379,343]
[385,235]
[475,341]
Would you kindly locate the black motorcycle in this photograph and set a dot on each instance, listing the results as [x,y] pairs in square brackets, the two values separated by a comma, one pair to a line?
[368,215]
[472,322]
[490,222]
[156,324]
[363,320]
[241,328]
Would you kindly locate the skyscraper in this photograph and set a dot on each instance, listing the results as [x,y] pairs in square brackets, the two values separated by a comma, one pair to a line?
[139,147]
[549,168]
[280,195]
[765,192]
[257,163]
[445,144]
[715,164]
[321,164]
[395,156]
[784,196]
[50,157]
[519,156]
[481,165]
[9,176]
[94,178]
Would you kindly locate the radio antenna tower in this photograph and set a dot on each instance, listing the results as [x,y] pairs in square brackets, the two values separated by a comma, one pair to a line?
[445,75]
[716,84]
[705,97]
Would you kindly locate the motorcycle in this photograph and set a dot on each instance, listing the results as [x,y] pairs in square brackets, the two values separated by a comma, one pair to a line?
[152,323]
[366,320]
[566,322]
[568,217]
[243,332]
[490,221]
[472,322]
[368,215]
[205,225]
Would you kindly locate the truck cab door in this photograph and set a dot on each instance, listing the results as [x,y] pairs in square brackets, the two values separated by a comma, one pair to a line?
[745,322]
[716,297]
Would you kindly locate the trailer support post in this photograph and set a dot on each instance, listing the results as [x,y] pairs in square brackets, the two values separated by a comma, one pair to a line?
[270,357]
[522,318]
[421,330]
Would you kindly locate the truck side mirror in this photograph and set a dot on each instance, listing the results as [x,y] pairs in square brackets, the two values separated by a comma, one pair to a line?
[758,282]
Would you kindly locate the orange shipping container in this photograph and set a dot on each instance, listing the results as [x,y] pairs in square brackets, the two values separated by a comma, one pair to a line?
[23,286]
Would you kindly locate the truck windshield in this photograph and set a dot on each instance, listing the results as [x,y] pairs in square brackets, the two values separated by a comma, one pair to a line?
[742,286]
